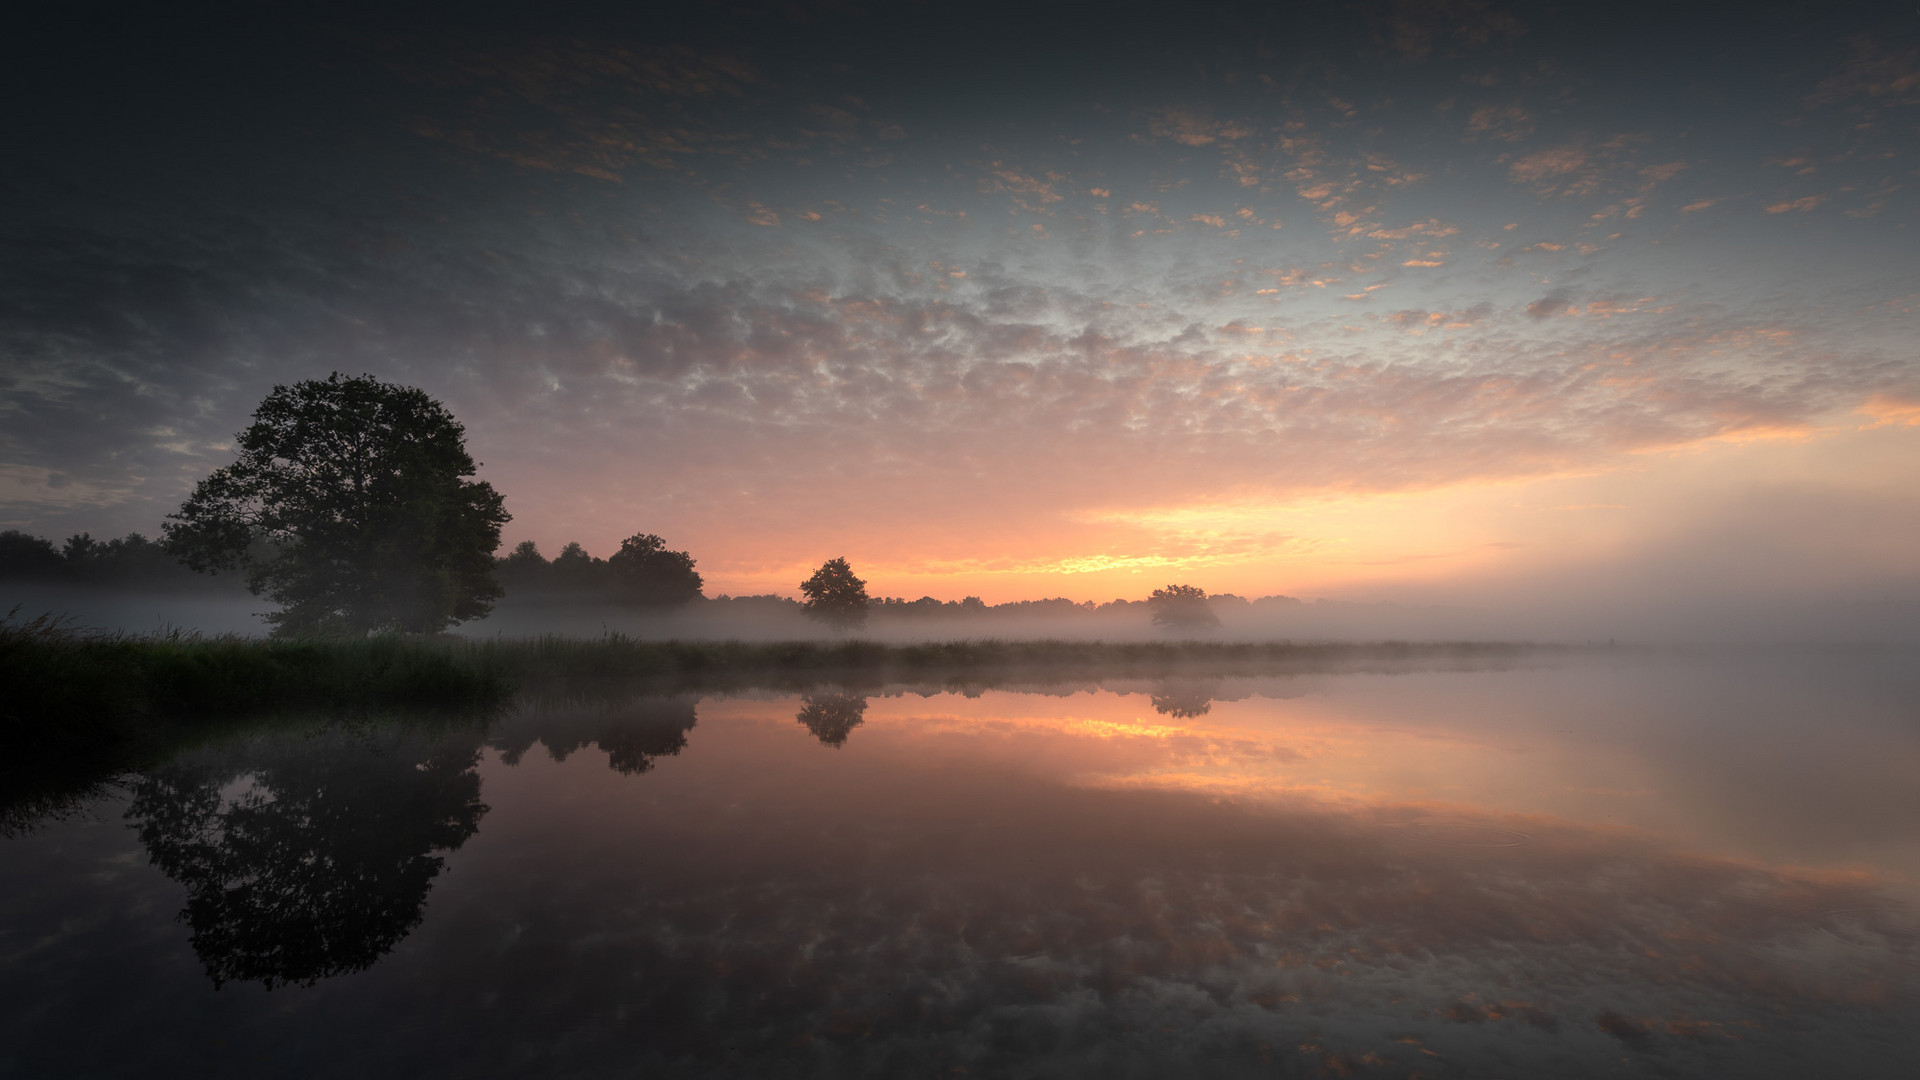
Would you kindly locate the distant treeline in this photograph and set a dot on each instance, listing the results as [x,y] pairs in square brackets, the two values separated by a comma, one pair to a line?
[130,562]
[574,576]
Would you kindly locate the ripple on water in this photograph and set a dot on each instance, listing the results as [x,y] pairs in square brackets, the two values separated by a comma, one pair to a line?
[1889,929]
[1459,833]
[1877,941]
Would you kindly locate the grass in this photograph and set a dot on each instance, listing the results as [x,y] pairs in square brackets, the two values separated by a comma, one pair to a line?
[67,681]
[81,708]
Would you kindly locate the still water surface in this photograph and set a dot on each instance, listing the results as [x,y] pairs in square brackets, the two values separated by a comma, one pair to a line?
[1597,868]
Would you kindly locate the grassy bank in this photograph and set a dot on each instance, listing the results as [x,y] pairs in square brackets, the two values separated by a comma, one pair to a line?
[80,708]
[59,679]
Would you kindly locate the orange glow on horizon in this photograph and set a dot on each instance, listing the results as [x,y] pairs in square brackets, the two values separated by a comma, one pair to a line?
[1332,544]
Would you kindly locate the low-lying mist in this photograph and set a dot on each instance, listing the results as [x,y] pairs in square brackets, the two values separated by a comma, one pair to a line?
[1889,616]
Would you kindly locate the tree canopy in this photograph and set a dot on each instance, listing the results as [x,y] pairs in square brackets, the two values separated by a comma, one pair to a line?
[1181,607]
[360,488]
[647,574]
[835,597]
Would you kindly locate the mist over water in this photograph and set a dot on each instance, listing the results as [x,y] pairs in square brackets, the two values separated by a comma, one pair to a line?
[1878,618]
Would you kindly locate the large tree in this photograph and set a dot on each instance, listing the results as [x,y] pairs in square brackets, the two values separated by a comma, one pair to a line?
[835,596]
[359,490]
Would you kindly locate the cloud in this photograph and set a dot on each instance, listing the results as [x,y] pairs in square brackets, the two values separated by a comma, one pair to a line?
[1509,123]
[1190,128]
[1548,164]
[1800,205]
[1417,321]
[1432,228]
[1874,71]
[1412,32]
[1886,409]
[1548,306]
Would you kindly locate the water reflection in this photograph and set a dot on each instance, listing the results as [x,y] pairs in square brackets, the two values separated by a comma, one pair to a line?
[915,904]
[831,717]
[1197,877]
[1185,699]
[633,731]
[310,857]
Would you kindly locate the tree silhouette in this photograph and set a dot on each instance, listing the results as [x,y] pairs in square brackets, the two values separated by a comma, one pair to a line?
[633,733]
[647,574]
[360,487]
[835,596]
[574,569]
[322,864]
[1181,607]
[524,568]
[1184,701]
[526,558]
[832,717]
[634,743]
[22,555]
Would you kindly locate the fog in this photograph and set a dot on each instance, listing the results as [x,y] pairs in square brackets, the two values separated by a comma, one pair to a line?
[1889,615]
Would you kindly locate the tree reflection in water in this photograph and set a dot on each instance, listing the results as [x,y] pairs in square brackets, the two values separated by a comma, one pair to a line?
[306,858]
[633,732]
[832,717]
[1185,700]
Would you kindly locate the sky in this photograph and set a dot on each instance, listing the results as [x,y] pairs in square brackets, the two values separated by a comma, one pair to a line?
[1434,302]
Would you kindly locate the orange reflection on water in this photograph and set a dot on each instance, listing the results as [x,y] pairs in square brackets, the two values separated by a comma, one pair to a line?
[1725,763]
[1297,870]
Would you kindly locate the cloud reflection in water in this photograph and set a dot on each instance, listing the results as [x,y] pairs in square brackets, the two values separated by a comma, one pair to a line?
[1062,883]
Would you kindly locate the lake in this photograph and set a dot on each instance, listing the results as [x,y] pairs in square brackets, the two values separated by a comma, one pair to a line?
[1599,865]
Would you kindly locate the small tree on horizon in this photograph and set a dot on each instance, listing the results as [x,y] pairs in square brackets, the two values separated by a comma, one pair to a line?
[1181,607]
[835,597]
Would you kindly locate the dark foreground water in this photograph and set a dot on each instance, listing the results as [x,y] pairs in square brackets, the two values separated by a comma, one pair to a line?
[1595,869]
